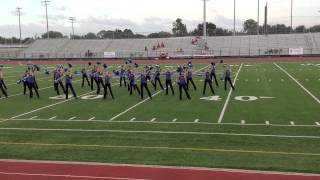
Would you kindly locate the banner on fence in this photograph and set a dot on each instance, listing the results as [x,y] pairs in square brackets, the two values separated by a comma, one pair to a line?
[109,54]
[295,51]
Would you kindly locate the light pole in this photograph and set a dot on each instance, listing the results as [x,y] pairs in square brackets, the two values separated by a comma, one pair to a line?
[258,17]
[46,3]
[19,14]
[234,17]
[291,14]
[205,19]
[72,19]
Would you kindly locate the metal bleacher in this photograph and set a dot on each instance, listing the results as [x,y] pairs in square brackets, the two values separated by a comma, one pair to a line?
[178,46]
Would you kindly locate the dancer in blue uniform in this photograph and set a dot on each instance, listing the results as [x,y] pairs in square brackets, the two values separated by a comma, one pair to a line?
[207,80]
[227,77]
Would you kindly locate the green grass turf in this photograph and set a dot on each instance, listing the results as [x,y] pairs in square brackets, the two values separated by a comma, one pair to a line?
[184,142]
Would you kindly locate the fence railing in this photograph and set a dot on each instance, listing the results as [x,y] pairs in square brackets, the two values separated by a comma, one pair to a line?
[217,52]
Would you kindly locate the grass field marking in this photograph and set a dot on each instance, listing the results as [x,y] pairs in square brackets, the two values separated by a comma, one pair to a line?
[34,117]
[158,122]
[162,148]
[267,122]
[163,132]
[66,176]
[292,123]
[196,120]
[153,120]
[243,122]
[72,118]
[317,123]
[14,95]
[46,107]
[143,101]
[174,120]
[92,118]
[295,80]
[52,118]
[132,119]
[228,98]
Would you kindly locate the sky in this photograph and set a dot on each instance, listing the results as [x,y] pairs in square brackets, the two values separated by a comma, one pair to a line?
[146,16]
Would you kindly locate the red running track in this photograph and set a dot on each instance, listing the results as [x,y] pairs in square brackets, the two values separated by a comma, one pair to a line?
[46,170]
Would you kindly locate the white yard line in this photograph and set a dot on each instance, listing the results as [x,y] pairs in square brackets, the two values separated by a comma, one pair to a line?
[72,118]
[52,118]
[267,123]
[174,120]
[141,102]
[91,118]
[162,132]
[131,120]
[196,120]
[45,107]
[34,117]
[295,80]
[243,122]
[153,120]
[317,123]
[292,123]
[228,98]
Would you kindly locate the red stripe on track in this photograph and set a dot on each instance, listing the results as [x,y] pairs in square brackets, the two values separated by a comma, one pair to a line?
[40,170]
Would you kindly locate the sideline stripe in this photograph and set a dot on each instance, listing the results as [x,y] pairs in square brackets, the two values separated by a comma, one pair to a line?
[162,122]
[162,132]
[229,95]
[164,148]
[141,102]
[295,80]
[68,176]
[34,117]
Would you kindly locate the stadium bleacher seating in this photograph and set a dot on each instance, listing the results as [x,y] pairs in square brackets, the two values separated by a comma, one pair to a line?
[179,46]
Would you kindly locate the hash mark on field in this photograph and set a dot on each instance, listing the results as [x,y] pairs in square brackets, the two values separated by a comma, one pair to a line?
[34,117]
[243,122]
[282,80]
[72,118]
[131,120]
[153,119]
[267,123]
[92,118]
[174,120]
[52,118]
[317,123]
[196,120]
[292,123]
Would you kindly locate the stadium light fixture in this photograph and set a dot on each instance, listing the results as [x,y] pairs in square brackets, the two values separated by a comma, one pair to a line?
[19,15]
[72,20]
[46,3]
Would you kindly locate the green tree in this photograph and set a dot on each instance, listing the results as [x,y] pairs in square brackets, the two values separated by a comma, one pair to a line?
[52,35]
[179,29]
[90,35]
[161,34]
[250,26]
[300,29]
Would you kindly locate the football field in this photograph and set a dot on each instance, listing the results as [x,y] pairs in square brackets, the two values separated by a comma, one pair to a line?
[270,122]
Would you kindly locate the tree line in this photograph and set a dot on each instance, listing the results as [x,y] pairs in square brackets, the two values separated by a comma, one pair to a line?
[179,29]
